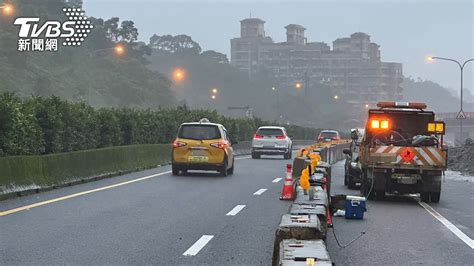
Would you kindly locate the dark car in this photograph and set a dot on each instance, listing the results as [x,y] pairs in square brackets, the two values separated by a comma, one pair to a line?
[328,136]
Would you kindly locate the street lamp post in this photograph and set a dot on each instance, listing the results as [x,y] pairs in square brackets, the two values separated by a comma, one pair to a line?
[461,67]
[118,49]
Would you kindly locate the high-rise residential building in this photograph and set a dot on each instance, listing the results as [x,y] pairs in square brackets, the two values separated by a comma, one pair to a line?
[352,69]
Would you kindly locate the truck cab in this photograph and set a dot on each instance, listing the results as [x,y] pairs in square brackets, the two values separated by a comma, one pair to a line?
[402,151]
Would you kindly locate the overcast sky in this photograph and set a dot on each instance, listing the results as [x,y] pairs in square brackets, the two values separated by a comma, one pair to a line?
[406,30]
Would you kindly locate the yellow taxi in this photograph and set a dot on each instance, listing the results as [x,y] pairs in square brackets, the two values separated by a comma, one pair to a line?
[202,146]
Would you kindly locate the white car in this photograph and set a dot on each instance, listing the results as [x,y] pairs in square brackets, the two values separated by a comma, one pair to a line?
[270,140]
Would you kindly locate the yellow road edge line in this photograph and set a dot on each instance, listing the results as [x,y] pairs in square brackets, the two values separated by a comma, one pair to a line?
[38,204]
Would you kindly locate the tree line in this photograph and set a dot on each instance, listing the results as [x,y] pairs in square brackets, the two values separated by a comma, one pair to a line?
[44,125]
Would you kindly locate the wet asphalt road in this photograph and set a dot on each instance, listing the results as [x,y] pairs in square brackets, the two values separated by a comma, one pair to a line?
[156,220]
[401,232]
[153,221]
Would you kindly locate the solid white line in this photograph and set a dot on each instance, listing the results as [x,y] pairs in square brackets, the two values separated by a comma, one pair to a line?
[276,180]
[235,210]
[196,247]
[260,191]
[448,225]
[41,203]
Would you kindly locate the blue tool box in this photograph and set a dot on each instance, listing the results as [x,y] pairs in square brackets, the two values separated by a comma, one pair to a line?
[355,207]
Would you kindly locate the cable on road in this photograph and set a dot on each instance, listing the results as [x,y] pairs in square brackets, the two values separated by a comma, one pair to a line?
[350,242]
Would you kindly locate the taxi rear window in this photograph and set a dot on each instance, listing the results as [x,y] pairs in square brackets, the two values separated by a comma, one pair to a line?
[199,132]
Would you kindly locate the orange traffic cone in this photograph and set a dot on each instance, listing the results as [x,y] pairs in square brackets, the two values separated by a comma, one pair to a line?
[288,191]
[289,171]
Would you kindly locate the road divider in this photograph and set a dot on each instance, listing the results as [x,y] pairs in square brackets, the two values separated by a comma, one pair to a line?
[304,252]
[299,239]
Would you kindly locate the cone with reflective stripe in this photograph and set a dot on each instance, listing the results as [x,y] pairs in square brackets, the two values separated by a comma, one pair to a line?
[288,191]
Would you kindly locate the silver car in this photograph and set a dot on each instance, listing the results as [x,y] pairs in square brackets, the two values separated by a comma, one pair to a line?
[270,140]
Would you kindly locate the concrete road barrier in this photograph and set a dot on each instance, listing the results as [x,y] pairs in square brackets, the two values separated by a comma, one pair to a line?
[319,210]
[299,237]
[303,252]
[299,163]
[320,197]
[301,227]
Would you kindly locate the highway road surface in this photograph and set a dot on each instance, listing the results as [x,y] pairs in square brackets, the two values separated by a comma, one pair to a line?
[400,231]
[152,217]
[161,219]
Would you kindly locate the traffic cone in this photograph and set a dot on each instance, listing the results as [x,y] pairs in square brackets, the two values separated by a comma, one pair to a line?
[288,191]
[289,171]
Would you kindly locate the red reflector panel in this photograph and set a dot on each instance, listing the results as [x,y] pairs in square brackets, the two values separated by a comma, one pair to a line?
[407,155]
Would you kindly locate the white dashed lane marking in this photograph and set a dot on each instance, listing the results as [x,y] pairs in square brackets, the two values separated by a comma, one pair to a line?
[276,180]
[235,210]
[260,191]
[196,247]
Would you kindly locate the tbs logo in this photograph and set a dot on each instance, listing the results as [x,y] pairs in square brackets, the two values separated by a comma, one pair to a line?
[72,32]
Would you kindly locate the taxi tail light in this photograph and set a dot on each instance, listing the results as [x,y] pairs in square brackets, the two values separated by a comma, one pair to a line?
[281,137]
[256,136]
[178,144]
[219,145]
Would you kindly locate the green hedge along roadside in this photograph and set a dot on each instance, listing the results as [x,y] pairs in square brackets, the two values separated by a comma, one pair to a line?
[49,125]
[40,171]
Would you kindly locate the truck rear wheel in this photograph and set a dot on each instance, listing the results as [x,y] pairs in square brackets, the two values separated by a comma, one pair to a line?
[435,196]
[425,196]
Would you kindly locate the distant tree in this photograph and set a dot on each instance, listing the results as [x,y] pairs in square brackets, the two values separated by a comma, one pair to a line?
[216,56]
[111,27]
[179,44]
[127,32]
[74,3]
